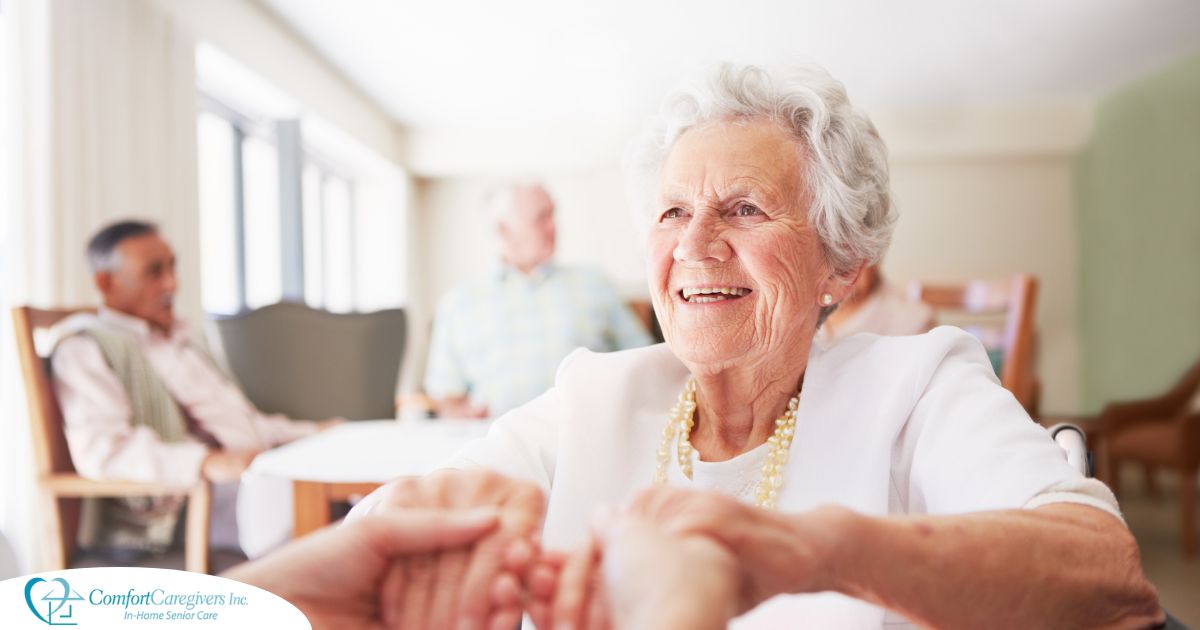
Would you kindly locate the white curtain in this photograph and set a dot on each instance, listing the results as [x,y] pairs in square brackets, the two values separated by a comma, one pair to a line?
[99,125]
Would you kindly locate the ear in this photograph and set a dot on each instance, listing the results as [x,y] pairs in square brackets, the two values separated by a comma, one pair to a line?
[840,286]
[103,281]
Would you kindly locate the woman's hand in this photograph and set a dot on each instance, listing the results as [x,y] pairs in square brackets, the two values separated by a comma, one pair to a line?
[335,576]
[685,558]
[776,553]
[656,579]
[480,587]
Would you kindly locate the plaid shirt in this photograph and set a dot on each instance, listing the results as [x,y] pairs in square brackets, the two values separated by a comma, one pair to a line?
[500,340]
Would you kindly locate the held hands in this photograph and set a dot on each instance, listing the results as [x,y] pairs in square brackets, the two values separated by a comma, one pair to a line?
[679,558]
[334,575]
[475,587]
[632,574]
[458,549]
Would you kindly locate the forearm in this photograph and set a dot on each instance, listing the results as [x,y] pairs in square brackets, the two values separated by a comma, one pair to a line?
[277,429]
[137,454]
[1059,566]
[676,612]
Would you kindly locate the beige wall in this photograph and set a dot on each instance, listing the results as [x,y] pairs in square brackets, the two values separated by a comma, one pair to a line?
[987,217]
[981,194]
[252,35]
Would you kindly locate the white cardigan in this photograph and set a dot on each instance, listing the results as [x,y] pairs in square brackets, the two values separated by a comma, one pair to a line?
[886,425]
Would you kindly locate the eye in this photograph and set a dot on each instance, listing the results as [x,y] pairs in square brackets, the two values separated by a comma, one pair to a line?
[748,210]
[673,213]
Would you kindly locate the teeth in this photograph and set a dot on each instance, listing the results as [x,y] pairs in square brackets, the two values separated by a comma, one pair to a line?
[688,293]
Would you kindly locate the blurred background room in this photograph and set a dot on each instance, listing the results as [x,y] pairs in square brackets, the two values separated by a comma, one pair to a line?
[362,163]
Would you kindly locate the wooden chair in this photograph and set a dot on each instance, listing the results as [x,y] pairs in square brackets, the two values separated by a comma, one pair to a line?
[60,489]
[1162,431]
[1013,301]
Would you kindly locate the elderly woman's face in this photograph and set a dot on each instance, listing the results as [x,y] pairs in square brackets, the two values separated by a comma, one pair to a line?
[735,270]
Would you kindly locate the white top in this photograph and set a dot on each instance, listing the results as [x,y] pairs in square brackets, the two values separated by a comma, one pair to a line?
[886,425]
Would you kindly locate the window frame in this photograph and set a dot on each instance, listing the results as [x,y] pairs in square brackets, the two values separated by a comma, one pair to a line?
[326,170]
[294,155]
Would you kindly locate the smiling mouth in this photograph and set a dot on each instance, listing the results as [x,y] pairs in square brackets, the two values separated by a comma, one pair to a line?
[706,295]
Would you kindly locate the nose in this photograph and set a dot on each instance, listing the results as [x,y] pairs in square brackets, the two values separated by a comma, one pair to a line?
[169,282]
[701,241]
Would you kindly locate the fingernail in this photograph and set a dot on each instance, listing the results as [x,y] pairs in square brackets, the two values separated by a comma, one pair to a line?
[466,623]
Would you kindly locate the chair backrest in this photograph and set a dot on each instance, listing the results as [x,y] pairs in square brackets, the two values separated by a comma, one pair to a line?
[49,442]
[312,364]
[1187,391]
[1013,301]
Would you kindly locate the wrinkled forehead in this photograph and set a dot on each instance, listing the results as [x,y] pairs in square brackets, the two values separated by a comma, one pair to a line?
[734,158]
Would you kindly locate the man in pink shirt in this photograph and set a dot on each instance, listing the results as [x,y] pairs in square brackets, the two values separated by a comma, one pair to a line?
[141,402]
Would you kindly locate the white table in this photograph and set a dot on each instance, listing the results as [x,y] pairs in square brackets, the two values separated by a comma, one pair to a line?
[286,491]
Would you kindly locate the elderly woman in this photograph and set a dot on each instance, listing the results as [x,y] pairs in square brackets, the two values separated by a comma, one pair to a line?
[884,480]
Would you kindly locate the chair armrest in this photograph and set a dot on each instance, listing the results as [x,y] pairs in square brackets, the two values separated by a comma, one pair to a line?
[75,486]
[1121,415]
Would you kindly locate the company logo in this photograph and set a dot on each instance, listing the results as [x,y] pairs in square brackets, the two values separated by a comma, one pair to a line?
[127,597]
[57,604]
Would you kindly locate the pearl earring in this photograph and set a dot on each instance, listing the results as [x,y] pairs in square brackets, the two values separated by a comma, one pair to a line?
[826,299]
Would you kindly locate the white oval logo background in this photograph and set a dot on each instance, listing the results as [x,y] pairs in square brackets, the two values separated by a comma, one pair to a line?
[126,597]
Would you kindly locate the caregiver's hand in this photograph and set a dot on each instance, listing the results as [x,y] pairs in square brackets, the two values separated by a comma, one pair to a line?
[335,575]
[479,587]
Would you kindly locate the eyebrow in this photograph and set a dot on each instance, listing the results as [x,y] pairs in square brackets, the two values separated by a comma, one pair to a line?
[740,189]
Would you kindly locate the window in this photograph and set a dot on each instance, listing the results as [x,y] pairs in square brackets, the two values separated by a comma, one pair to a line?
[220,271]
[291,209]
[329,237]
[262,221]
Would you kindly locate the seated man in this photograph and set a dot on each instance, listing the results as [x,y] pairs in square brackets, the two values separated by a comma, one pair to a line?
[497,342]
[141,402]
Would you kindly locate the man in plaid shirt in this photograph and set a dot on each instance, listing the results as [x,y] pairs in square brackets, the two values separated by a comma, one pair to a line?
[498,341]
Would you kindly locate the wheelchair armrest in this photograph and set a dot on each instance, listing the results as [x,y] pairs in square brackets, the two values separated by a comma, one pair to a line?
[1073,441]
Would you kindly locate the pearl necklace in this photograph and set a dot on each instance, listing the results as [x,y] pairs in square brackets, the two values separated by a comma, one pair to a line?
[682,421]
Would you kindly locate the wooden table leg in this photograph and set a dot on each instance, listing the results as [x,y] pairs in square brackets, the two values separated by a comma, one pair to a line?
[199,508]
[310,507]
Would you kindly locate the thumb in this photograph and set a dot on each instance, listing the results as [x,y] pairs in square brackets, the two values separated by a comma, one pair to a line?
[422,531]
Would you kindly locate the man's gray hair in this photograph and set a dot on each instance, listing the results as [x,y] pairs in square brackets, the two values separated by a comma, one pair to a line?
[846,165]
[500,201]
[102,248]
